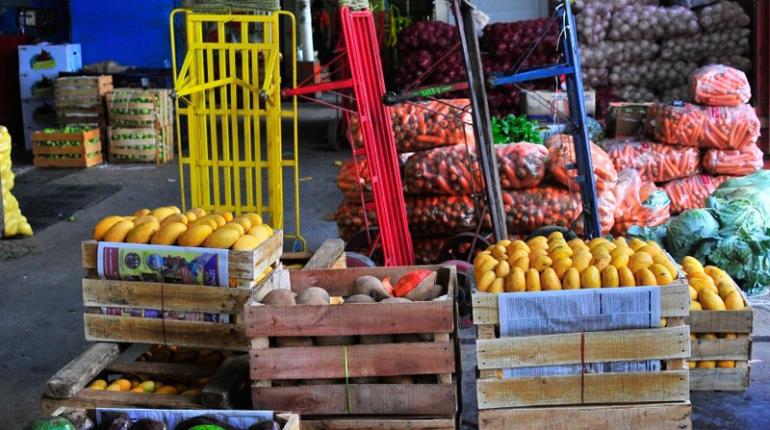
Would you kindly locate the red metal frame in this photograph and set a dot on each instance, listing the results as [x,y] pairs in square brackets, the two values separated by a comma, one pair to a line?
[361,59]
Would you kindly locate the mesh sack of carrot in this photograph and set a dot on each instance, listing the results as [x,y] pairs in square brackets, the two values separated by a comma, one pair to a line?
[350,218]
[639,202]
[733,162]
[351,184]
[691,192]
[719,85]
[561,152]
[721,127]
[424,125]
[654,161]
[437,215]
[529,209]
[454,170]
[428,250]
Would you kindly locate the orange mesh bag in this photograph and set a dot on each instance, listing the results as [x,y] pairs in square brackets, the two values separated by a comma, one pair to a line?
[691,192]
[639,202]
[733,162]
[654,161]
[719,85]
[561,152]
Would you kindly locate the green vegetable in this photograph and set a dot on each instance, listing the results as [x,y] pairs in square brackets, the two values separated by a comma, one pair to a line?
[56,423]
[746,257]
[514,128]
[686,231]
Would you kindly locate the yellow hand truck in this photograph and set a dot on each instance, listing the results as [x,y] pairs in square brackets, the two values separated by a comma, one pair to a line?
[228,104]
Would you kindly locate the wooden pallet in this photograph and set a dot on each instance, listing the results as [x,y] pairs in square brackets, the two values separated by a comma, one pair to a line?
[738,350]
[437,359]
[503,401]
[286,420]
[67,387]
[86,146]
[244,267]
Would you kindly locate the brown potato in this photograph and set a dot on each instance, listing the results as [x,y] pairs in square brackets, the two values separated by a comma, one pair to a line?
[370,286]
[313,296]
[360,298]
[280,297]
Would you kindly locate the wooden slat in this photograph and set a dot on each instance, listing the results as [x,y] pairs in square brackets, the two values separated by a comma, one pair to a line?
[655,416]
[90,399]
[170,370]
[378,424]
[288,421]
[327,255]
[364,399]
[170,297]
[224,384]
[674,302]
[78,372]
[349,319]
[321,362]
[722,321]
[721,349]
[736,379]
[597,347]
[631,387]
[155,330]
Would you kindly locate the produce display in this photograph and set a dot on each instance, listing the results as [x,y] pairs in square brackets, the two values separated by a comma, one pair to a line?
[719,85]
[656,75]
[425,125]
[721,127]
[454,170]
[438,215]
[634,22]
[691,192]
[552,263]
[611,53]
[733,162]
[654,161]
[351,184]
[168,226]
[14,222]
[701,47]
[593,23]
[561,153]
[639,202]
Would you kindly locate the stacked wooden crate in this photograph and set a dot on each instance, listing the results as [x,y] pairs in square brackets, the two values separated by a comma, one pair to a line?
[67,147]
[80,100]
[639,400]
[141,126]
[721,349]
[391,385]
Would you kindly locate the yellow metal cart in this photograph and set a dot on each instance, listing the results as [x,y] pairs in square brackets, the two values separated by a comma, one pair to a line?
[228,104]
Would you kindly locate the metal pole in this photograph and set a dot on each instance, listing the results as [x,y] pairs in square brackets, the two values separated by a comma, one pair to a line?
[482,129]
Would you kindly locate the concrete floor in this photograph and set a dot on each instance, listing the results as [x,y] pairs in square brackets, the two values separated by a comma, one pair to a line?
[41,304]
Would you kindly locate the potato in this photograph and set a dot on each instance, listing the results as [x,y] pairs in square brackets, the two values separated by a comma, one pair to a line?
[370,286]
[360,298]
[313,296]
[396,300]
[280,297]
[426,290]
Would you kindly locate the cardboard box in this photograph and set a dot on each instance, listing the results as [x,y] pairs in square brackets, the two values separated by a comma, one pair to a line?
[50,58]
[550,103]
[626,119]
[37,114]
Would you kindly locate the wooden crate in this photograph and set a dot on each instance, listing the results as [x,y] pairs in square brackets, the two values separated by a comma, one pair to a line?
[82,91]
[330,255]
[392,423]
[555,399]
[146,112]
[437,359]
[286,420]
[42,151]
[738,350]
[244,267]
[67,388]
[139,145]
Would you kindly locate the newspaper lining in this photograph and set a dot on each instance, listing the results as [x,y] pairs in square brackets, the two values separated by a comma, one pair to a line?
[575,311]
[239,419]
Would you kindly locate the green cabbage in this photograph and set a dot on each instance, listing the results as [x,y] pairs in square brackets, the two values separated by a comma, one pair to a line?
[746,257]
[686,231]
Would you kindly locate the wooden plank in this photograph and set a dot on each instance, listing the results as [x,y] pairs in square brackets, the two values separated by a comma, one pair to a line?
[722,321]
[378,424]
[655,416]
[337,282]
[91,399]
[288,421]
[170,370]
[359,399]
[81,370]
[674,302]
[631,387]
[224,384]
[576,348]
[721,349]
[155,330]
[322,362]
[170,297]
[349,319]
[327,255]
[736,379]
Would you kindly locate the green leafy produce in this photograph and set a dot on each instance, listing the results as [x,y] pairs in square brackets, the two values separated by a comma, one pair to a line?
[658,233]
[686,231]
[52,424]
[751,189]
[514,128]
[746,257]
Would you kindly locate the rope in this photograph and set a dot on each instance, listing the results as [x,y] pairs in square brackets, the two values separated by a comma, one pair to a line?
[349,407]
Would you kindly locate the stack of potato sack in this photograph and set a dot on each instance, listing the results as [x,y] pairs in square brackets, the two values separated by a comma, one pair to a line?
[644,52]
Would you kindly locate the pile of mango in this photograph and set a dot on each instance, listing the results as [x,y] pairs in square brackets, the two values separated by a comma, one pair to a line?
[711,289]
[553,263]
[167,225]
[15,223]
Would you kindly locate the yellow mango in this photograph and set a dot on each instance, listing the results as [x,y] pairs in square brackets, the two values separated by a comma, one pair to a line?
[504,243]
[626,277]
[522,263]
[502,269]
[144,220]
[714,272]
[538,252]
[540,263]
[142,233]
[695,306]
[549,280]
[103,226]
[691,364]
[244,221]
[703,284]
[198,212]
[519,245]
[724,288]
[163,212]
[730,336]
[620,241]
[581,260]
[533,280]
[600,251]
[207,220]
[590,278]
[141,212]
[560,251]
[662,276]
[175,218]
[693,293]
[711,300]
[539,241]
[561,266]
[667,263]
[516,255]
[706,364]
[640,260]
[726,364]
[220,220]
[245,243]
[499,252]
[601,261]
[118,232]
[610,278]
[195,235]
[516,281]
[619,260]
[692,265]
[593,243]
[653,251]
[191,216]
[254,218]
[645,278]
[168,234]
[556,234]
[498,286]
[734,301]
[636,244]
[227,215]
[571,280]
[485,281]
